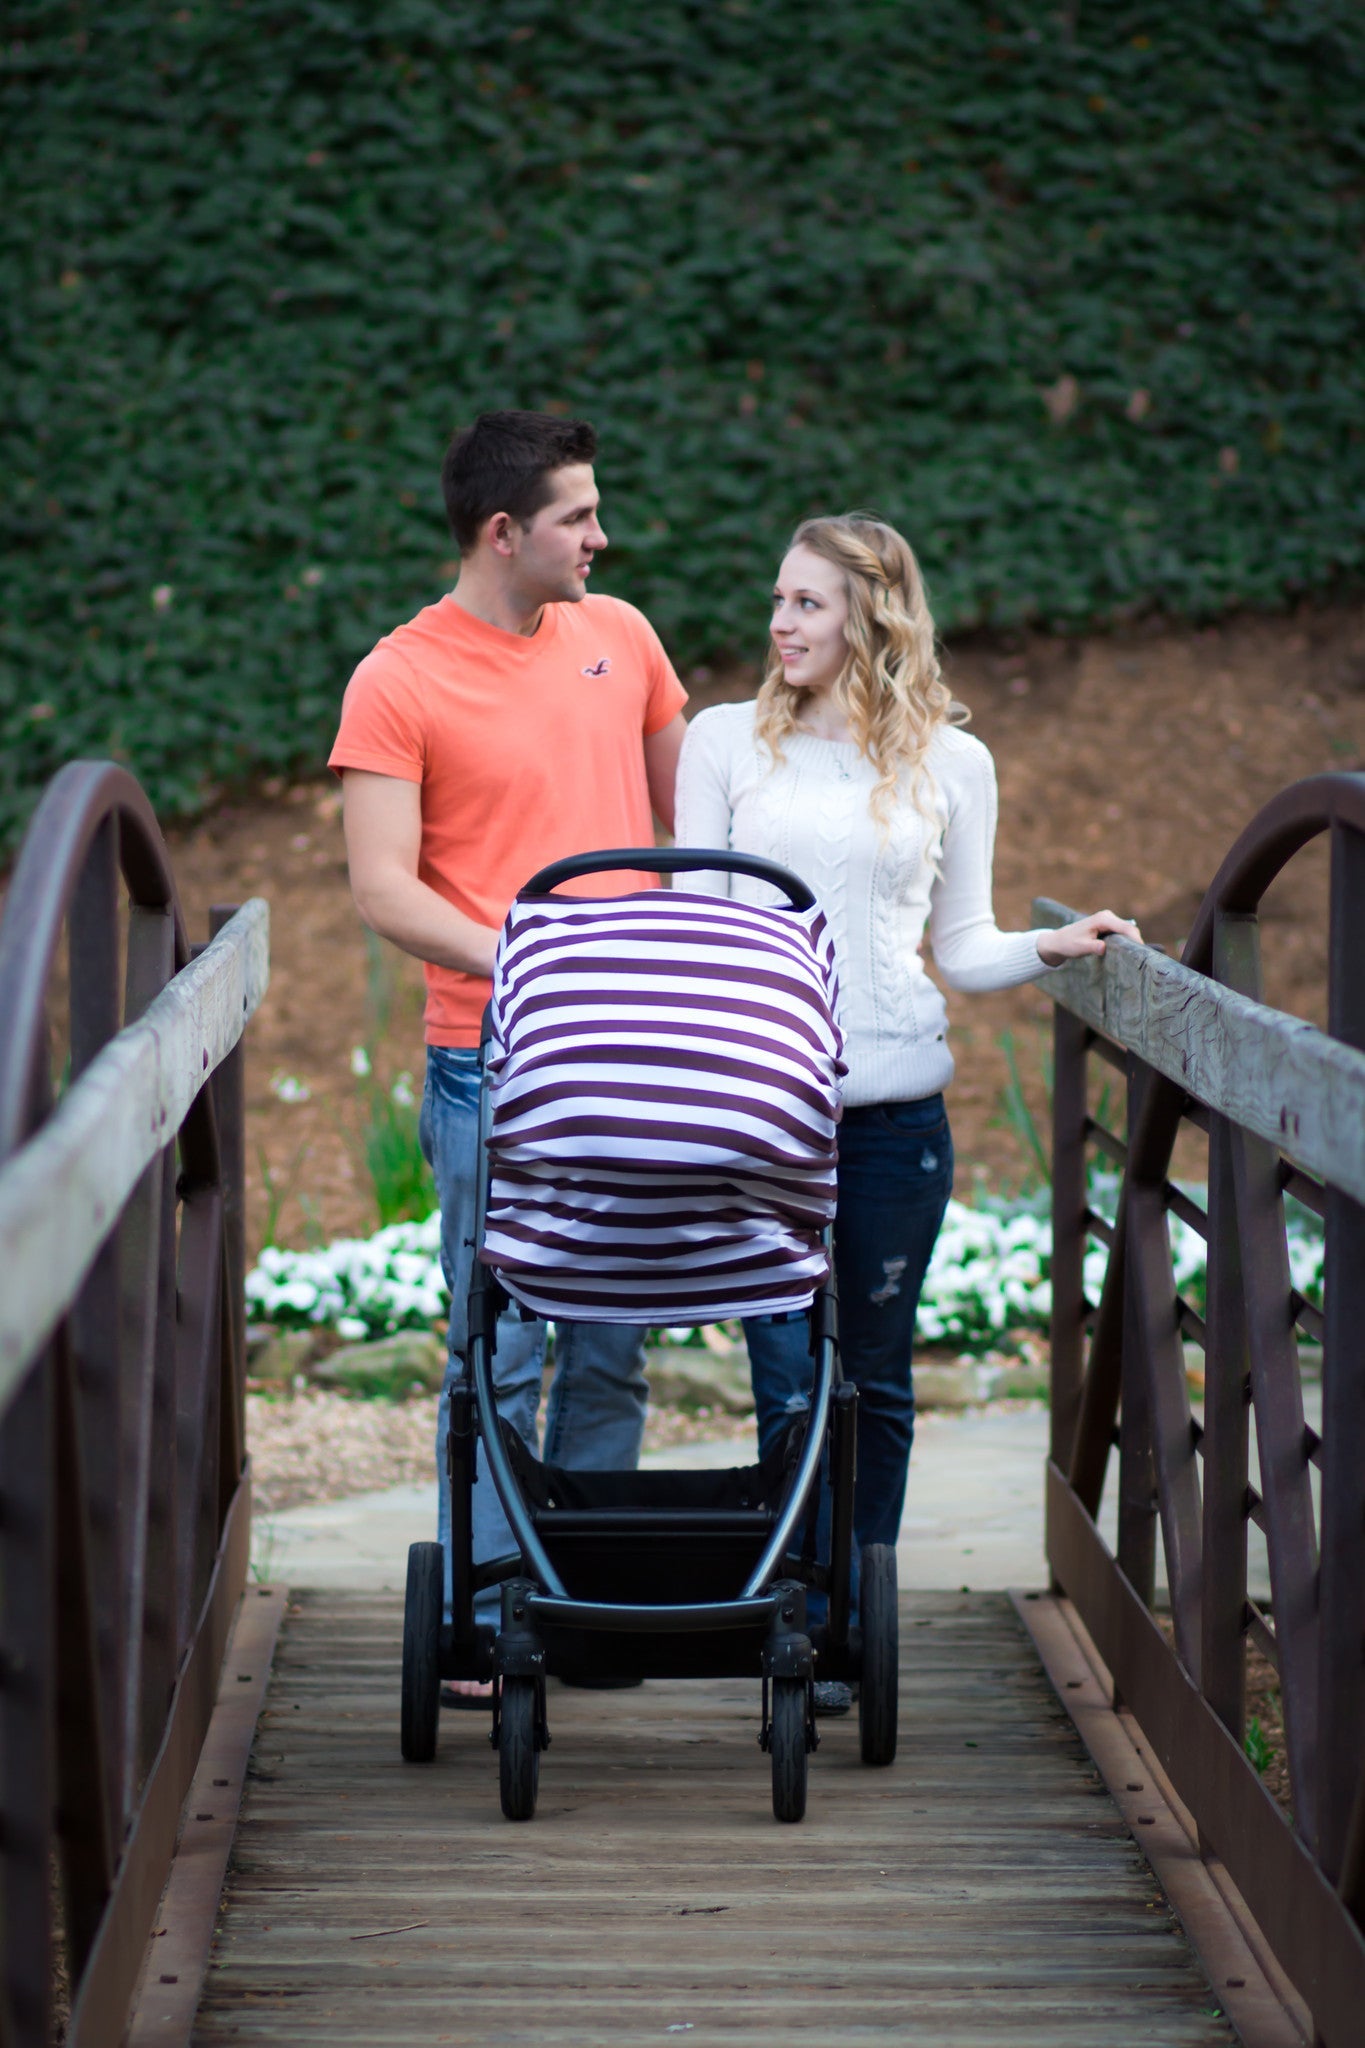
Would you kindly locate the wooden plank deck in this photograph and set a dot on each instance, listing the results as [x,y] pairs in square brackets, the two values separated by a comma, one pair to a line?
[983,1891]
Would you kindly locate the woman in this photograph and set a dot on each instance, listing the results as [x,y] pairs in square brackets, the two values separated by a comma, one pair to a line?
[851,770]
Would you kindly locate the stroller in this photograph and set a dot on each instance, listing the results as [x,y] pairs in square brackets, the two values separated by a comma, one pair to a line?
[658,1110]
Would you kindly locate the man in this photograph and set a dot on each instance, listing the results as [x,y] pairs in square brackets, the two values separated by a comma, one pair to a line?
[516,721]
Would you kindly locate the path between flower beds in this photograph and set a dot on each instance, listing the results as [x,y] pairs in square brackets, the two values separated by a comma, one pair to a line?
[974,1514]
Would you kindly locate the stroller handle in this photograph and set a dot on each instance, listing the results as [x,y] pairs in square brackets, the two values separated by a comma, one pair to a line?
[673,860]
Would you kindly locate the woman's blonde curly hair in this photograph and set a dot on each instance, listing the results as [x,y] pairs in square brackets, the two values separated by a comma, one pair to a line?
[891,688]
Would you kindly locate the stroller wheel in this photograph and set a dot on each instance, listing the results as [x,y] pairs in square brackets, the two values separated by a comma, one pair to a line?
[788,1734]
[518,1750]
[879,1694]
[421,1652]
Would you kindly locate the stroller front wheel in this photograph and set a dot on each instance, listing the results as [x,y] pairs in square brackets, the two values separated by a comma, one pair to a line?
[788,1741]
[518,1748]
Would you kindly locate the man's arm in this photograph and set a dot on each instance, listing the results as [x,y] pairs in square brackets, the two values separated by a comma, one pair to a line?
[383,820]
[662,749]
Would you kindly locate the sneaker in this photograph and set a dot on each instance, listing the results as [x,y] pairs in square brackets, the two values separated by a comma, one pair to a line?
[832,1696]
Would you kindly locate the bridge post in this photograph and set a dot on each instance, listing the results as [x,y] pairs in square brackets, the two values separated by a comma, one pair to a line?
[28,1744]
[1069,1110]
[228,1087]
[1137,1470]
[1342,1595]
[1227,1385]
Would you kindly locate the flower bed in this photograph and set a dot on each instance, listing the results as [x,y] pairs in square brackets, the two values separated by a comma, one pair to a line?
[360,1287]
[988,1280]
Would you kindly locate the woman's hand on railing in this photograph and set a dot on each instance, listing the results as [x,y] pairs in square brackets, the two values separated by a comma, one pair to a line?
[1086,935]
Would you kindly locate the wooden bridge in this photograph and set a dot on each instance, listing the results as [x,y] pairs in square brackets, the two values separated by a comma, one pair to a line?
[206,1833]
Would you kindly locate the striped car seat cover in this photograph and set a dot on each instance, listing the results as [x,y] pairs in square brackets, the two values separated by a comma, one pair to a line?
[664,1084]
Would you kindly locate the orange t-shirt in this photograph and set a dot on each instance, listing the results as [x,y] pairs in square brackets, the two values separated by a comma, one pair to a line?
[527,749]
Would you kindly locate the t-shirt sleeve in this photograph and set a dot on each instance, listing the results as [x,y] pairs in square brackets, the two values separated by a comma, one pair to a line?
[382,728]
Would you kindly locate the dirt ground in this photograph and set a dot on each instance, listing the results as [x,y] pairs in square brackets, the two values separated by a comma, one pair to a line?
[1128,764]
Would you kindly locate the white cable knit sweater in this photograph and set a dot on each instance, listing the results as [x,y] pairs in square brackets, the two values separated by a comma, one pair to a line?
[878,890]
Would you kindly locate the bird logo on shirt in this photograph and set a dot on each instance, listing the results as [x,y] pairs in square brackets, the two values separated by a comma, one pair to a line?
[599,668]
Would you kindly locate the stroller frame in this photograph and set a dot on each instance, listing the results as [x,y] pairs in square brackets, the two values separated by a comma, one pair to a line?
[546,1630]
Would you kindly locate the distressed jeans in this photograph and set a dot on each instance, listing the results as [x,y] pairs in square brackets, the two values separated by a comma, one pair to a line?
[895,1177]
[599,1394]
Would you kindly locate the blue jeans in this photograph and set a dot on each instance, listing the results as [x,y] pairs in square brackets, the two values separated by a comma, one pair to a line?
[599,1393]
[895,1177]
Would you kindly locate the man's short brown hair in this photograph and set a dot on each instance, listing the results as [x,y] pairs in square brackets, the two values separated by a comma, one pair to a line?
[503,463]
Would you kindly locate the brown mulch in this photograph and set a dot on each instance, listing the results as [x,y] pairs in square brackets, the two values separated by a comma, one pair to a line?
[312,1445]
[1264,1707]
[1128,763]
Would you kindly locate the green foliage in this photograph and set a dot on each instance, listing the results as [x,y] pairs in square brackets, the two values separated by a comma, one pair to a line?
[390,1113]
[404,1191]
[1074,295]
[1015,1114]
[278,1188]
[1260,1754]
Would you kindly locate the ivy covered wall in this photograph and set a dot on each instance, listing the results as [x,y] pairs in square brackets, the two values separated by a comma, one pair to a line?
[1074,294]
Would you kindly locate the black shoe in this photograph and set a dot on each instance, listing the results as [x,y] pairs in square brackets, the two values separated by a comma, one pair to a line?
[832,1696]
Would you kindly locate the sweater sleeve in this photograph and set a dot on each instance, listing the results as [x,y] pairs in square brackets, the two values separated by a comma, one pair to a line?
[970,950]
[704,811]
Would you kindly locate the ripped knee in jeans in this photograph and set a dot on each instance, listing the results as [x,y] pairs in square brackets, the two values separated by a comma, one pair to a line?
[891,1284]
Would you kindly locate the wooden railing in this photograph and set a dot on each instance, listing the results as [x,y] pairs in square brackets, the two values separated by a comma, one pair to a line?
[124,1489]
[1282,1107]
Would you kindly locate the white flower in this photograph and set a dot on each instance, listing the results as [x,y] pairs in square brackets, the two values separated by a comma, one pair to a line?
[289,1088]
[161,597]
[360,1063]
[401,1092]
[989,1274]
[298,1294]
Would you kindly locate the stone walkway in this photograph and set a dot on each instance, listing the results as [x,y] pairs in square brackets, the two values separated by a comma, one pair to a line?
[973,1519]
[973,1513]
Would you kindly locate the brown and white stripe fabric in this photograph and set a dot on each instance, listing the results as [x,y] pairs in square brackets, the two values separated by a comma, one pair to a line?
[664,1082]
